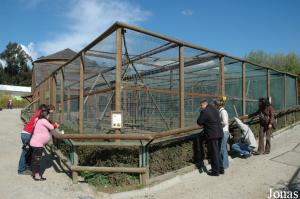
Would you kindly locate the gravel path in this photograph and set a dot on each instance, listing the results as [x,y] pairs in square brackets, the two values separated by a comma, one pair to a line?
[13,186]
[250,178]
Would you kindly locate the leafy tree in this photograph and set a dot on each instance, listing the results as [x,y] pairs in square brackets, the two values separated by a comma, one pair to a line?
[286,62]
[17,71]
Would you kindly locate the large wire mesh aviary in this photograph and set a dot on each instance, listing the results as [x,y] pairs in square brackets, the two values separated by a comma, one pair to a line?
[151,88]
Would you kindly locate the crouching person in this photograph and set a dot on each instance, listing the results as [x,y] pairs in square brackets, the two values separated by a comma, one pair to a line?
[41,136]
[247,144]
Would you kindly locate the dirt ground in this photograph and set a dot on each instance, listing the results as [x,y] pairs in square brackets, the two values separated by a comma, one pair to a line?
[246,178]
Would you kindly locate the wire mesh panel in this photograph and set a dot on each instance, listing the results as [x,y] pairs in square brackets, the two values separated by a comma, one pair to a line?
[291,92]
[99,83]
[150,97]
[44,70]
[277,90]
[71,95]
[233,73]
[256,86]
[201,81]
[58,83]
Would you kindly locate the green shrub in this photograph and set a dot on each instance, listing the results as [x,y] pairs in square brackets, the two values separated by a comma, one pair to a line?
[16,103]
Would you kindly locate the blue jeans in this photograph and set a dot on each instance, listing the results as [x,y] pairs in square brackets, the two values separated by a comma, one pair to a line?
[223,150]
[23,162]
[242,149]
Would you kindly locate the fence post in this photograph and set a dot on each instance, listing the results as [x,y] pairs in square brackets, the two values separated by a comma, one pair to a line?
[75,163]
[81,90]
[118,84]
[268,84]
[222,78]
[285,99]
[244,87]
[62,102]
[144,163]
[181,87]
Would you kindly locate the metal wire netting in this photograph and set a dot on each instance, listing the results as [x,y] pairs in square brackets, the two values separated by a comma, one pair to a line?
[150,85]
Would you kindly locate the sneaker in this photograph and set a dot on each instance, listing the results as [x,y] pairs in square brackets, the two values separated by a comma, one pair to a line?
[26,172]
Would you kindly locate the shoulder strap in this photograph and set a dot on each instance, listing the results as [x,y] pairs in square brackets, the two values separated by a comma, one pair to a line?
[34,126]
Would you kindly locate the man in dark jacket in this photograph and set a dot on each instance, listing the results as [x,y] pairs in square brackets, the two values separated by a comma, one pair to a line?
[209,119]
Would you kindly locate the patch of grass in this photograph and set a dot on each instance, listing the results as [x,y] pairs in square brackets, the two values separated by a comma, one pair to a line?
[16,103]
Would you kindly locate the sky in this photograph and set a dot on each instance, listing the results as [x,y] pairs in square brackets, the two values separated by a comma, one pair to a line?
[234,27]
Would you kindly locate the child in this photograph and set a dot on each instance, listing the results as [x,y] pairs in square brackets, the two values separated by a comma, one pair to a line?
[39,139]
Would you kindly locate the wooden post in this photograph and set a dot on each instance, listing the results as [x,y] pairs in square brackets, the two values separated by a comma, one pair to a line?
[62,102]
[118,84]
[222,78]
[181,87]
[244,87]
[81,99]
[51,90]
[285,93]
[75,163]
[297,94]
[268,84]
[285,99]
[54,93]
[33,82]
[144,163]
[69,104]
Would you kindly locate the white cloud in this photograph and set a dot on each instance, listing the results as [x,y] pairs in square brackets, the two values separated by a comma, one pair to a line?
[3,63]
[30,50]
[187,12]
[88,19]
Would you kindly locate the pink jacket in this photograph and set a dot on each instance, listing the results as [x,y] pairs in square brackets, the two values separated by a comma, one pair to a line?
[41,134]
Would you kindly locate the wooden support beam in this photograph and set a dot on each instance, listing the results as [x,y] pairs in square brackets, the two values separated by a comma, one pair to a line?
[285,92]
[285,99]
[75,163]
[62,109]
[51,79]
[297,92]
[81,92]
[244,88]
[222,77]
[268,84]
[118,91]
[181,87]
[109,169]
[132,136]
[68,103]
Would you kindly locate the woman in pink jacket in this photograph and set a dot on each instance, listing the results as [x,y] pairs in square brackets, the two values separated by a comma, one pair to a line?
[41,136]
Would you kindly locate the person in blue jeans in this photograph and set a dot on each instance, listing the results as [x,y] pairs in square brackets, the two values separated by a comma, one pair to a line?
[247,143]
[243,149]
[220,104]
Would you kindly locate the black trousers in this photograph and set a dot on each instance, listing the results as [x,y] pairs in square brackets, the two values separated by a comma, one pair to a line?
[214,147]
[36,157]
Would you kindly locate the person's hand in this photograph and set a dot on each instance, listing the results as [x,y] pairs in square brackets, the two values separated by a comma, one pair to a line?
[270,126]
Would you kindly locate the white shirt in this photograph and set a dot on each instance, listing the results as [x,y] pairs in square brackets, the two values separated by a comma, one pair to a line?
[247,133]
[224,119]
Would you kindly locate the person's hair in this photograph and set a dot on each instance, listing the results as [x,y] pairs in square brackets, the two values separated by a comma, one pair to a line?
[264,102]
[220,103]
[44,112]
[203,101]
[42,106]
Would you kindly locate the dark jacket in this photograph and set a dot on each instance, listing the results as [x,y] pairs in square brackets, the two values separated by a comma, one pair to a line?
[266,115]
[210,120]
